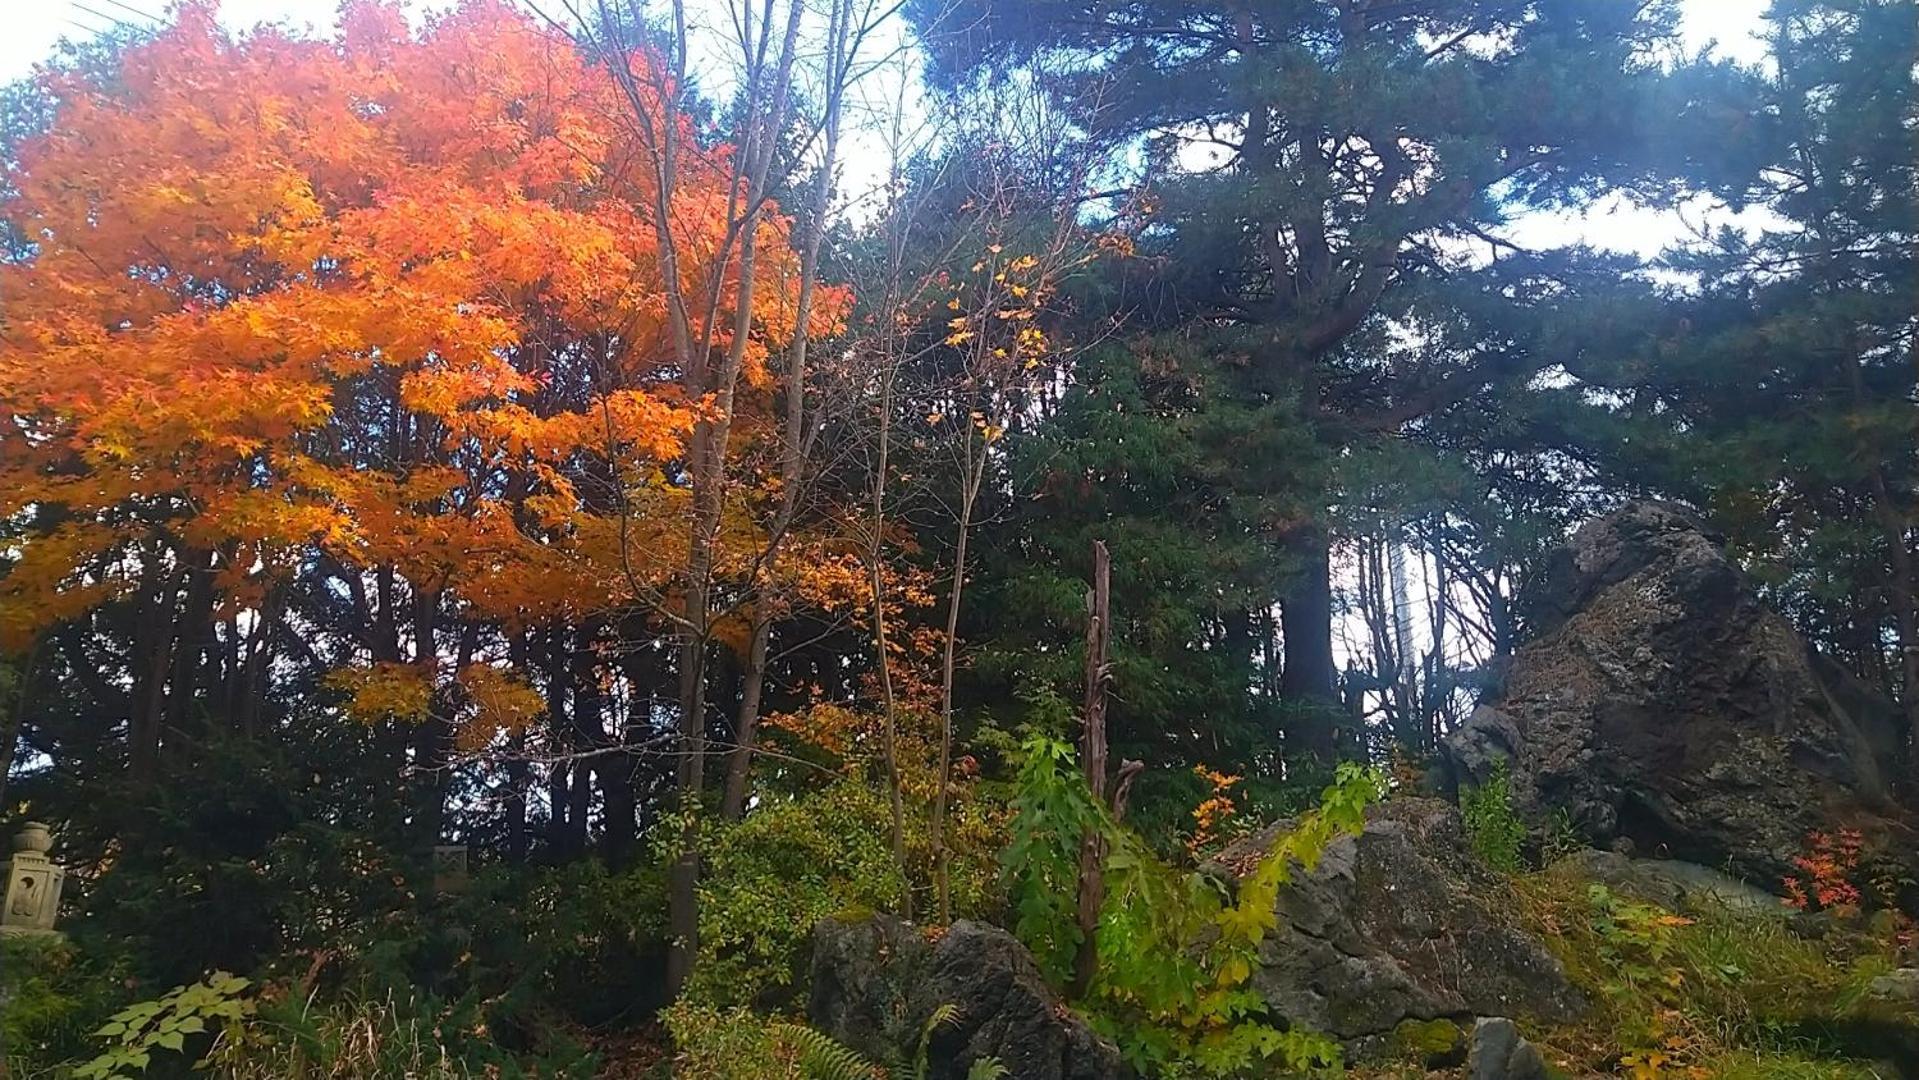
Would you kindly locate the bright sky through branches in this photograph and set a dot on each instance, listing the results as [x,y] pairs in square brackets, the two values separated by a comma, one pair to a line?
[34,27]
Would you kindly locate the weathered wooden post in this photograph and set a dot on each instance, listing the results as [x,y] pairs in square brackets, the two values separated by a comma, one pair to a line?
[1092,885]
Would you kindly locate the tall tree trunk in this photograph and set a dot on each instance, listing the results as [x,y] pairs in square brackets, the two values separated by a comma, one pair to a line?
[517,779]
[1092,848]
[1904,586]
[150,694]
[1309,681]
[194,643]
[519,654]
[566,830]
[1905,604]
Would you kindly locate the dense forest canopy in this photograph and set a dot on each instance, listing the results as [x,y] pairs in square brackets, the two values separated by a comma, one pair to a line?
[669,459]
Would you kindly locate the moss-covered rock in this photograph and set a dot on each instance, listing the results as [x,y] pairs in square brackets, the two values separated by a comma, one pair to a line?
[876,981]
[1402,923]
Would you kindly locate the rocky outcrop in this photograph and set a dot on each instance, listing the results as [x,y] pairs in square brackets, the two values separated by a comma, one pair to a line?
[1664,704]
[1401,923]
[876,980]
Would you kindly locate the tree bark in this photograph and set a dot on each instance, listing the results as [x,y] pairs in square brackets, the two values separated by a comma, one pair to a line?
[798,433]
[1309,681]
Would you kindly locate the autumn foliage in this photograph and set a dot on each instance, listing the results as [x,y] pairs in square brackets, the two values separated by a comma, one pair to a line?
[1826,871]
[383,309]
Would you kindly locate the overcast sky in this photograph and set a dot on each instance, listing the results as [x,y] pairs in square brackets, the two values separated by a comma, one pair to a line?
[33,27]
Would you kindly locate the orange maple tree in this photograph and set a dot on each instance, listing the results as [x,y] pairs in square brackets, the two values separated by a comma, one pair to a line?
[385,310]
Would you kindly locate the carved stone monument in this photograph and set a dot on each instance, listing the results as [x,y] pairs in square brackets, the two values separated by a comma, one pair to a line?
[32,898]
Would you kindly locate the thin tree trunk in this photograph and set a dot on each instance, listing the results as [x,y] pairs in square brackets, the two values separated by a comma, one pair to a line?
[433,739]
[739,766]
[710,454]
[1904,590]
[194,641]
[969,494]
[520,656]
[795,451]
[889,744]
[1092,848]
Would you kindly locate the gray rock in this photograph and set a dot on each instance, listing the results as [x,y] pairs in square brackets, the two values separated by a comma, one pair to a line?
[1674,885]
[876,980]
[1663,703]
[1901,987]
[1499,1053]
[1400,923]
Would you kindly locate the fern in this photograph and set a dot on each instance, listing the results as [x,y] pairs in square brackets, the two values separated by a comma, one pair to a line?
[986,1068]
[822,1057]
[945,1015]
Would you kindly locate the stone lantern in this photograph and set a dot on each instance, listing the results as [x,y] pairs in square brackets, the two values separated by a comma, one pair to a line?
[33,884]
[449,869]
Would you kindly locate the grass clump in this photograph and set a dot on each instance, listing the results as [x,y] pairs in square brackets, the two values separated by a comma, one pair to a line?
[1493,827]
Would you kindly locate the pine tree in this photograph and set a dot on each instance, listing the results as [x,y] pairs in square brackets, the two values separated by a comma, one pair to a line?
[1312,159]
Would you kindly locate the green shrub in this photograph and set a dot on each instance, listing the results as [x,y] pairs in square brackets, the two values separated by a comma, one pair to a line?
[55,996]
[767,879]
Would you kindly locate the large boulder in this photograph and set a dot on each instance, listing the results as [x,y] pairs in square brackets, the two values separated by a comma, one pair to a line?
[1664,704]
[1401,923]
[876,980]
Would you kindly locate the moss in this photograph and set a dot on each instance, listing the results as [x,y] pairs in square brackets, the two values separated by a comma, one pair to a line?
[1432,1043]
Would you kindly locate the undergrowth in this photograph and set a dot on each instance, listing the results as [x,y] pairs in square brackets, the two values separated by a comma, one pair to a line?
[1176,947]
[738,1044]
[1713,992]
